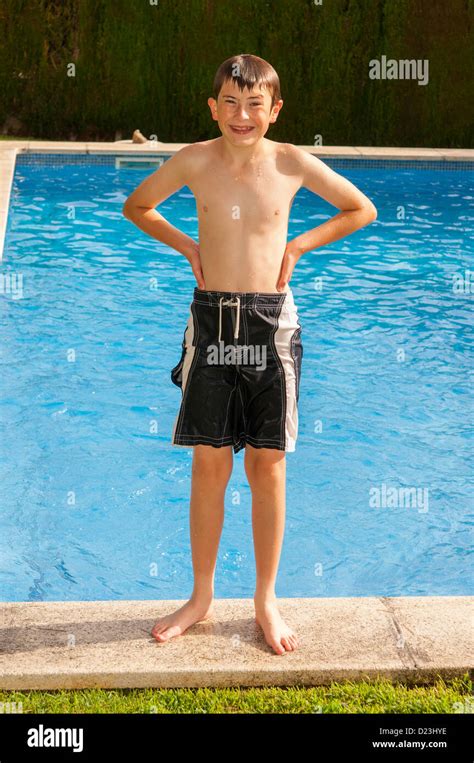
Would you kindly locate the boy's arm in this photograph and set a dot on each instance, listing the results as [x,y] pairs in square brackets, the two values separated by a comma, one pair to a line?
[356,209]
[139,207]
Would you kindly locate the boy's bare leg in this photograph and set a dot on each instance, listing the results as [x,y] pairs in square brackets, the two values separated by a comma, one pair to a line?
[266,472]
[211,470]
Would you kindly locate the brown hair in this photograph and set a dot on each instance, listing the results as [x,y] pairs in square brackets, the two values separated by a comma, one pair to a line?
[247,70]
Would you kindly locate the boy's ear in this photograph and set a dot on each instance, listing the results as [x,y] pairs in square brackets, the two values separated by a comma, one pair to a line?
[213,107]
[276,110]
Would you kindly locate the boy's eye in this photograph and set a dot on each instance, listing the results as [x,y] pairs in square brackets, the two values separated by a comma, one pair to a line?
[232,103]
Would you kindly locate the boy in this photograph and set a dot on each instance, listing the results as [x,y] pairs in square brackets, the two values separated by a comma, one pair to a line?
[244,185]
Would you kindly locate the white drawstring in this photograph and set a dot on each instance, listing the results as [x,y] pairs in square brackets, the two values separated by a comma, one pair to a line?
[232,304]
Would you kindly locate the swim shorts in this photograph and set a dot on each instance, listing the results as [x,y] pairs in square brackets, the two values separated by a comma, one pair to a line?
[239,371]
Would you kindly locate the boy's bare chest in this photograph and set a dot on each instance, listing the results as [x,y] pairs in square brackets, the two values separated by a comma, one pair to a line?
[263,194]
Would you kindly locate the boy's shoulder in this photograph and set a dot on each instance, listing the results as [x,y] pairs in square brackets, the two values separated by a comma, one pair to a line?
[200,148]
[194,154]
[187,161]
[295,160]
[297,153]
[284,150]
[189,150]
[304,163]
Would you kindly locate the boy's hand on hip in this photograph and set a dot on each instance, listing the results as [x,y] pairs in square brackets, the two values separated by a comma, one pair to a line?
[290,258]
[195,262]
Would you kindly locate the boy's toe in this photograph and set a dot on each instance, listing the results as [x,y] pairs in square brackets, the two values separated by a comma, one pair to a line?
[278,647]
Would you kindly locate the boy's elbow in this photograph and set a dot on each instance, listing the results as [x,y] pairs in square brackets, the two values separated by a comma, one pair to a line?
[371,211]
[133,211]
[126,210]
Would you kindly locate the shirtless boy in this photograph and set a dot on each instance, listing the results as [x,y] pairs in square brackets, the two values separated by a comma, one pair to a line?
[244,186]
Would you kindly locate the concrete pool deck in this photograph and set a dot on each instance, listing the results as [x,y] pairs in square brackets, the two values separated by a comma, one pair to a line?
[107,644]
[9,149]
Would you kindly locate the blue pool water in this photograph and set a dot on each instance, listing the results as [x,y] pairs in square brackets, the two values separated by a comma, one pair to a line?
[95,498]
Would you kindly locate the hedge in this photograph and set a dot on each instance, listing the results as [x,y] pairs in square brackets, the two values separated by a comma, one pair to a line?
[150,64]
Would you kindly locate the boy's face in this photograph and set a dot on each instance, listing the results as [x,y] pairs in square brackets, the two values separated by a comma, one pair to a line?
[243,116]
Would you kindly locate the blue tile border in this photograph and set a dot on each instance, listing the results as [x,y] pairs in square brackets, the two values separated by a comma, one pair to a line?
[399,164]
[51,160]
[108,160]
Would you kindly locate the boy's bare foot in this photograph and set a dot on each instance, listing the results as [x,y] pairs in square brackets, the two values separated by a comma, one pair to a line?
[277,633]
[177,622]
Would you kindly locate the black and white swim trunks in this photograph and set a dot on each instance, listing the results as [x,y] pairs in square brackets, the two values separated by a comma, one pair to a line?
[239,371]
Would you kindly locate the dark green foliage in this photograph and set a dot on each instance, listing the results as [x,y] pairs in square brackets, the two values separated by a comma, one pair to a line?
[151,66]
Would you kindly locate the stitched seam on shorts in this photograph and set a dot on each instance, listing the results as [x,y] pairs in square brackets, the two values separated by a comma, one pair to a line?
[296,332]
[295,365]
[196,325]
[204,437]
[282,378]
[185,394]
[263,439]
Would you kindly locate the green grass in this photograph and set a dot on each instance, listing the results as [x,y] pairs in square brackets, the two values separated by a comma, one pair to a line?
[348,697]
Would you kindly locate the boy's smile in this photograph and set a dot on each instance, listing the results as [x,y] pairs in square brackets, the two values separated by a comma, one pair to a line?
[244,130]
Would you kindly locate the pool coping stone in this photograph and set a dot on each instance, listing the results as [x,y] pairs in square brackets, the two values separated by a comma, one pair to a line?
[108,644]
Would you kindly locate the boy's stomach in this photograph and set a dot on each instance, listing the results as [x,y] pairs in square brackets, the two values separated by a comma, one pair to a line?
[250,265]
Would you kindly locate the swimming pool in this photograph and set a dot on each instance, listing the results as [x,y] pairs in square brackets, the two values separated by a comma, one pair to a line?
[95,498]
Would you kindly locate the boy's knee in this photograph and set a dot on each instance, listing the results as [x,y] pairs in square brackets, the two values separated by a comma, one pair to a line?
[214,463]
[263,462]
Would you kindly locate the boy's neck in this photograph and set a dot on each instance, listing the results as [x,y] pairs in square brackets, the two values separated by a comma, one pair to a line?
[239,156]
